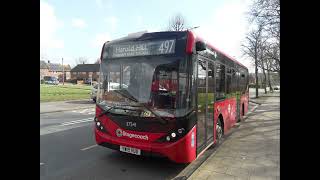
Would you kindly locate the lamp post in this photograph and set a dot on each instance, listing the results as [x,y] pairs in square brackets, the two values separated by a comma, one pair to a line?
[62,73]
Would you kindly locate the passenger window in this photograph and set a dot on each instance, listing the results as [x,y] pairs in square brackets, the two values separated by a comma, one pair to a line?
[233,81]
[220,81]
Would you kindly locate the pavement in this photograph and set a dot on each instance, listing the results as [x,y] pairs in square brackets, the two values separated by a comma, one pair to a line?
[252,150]
[252,93]
[59,106]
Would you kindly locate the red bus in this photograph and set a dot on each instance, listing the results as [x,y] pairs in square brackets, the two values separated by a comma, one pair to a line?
[167,94]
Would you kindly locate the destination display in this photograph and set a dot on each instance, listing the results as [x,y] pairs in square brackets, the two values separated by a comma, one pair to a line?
[142,48]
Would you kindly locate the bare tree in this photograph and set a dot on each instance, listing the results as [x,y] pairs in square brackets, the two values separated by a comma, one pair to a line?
[263,43]
[268,12]
[81,60]
[261,65]
[271,60]
[268,71]
[97,61]
[274,57]
[251,48]
[177,23]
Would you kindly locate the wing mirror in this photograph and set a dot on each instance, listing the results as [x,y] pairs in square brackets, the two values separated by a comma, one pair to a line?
[200,46]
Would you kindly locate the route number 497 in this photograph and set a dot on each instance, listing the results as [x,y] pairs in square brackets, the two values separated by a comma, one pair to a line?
[166,46]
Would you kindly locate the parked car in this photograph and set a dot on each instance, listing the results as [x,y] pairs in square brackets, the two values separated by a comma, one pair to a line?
[112,85]
[87,81]
[50,80]
[276,88]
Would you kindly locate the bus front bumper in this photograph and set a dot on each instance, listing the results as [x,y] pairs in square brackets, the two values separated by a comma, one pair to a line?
[181,151]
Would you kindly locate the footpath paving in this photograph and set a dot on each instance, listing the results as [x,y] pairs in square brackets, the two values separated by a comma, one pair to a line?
[252,151]
[48,107]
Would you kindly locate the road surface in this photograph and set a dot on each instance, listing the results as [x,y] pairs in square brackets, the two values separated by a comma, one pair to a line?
[68,151]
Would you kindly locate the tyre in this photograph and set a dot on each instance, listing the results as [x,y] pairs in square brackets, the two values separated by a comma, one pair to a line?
[219,131]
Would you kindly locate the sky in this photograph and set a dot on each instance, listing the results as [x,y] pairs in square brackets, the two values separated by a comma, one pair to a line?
[72,29]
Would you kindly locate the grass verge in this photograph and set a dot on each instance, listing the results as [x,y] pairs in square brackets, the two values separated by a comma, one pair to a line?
[65,92]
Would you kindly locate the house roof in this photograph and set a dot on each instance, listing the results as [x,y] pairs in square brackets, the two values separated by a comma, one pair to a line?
[86,68]
[43,65]
[54,66]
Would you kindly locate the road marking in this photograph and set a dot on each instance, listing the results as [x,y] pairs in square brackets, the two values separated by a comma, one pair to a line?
[76,122]
[83,149]
[70,123]
[41,164]
[59,128]
[261,110]
[85,111]
[252,110]
[81,120]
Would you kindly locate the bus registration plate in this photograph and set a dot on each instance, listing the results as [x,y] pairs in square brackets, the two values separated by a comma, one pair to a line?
[130,150]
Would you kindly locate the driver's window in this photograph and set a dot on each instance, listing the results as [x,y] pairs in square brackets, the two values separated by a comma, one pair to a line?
[126,77]
[164,87]
[114,77]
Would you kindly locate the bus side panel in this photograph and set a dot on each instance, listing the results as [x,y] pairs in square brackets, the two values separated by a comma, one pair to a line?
[232,110]
[184,150]
[228,110]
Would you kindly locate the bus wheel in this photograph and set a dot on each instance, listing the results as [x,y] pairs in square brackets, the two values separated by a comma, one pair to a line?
[219,130]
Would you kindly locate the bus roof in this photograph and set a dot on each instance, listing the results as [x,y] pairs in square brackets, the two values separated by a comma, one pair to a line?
[146,35]
[198,38]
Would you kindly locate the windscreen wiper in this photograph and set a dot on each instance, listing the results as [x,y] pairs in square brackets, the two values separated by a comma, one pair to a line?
[162,120]
[106,111]
[126,94]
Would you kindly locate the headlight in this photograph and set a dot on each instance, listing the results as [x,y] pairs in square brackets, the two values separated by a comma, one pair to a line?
[99,125]
[172,136]
[180,130]
[168,138]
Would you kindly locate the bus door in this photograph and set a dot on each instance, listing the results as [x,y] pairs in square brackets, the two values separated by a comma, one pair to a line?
[210,100]
[238,95]
[205,102]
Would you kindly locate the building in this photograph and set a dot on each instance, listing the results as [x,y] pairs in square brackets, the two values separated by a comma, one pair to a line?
[54,69]
[85,71]
[44,69]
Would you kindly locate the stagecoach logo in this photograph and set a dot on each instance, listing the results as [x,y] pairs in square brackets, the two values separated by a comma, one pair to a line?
[120,133]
